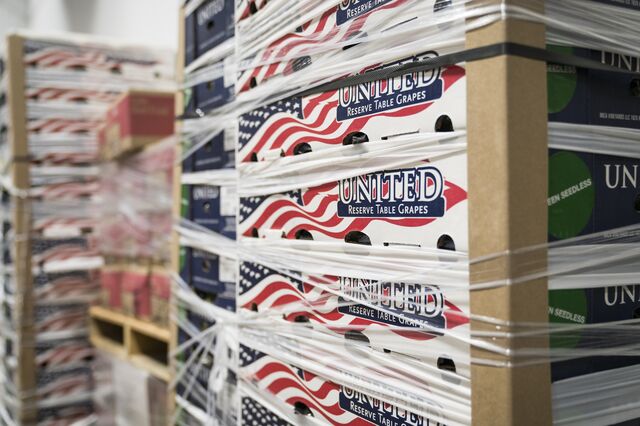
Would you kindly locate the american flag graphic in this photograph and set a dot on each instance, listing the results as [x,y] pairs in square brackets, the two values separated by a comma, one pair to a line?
[71,223]
[65,415]
[72,59]
[300,388]
[67,190]
[313,119]
[318,299]
[315,210]
[56,318]
[255,414]
[58,94]
[62,353]
[321,31]
[46,250]
[64,382]
[63,125]
[65,285]
[64,158]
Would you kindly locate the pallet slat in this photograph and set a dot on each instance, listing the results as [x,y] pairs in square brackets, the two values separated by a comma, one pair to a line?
[142,343]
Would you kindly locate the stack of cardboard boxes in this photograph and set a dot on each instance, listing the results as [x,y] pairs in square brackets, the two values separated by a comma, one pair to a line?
[208,203]
[57,91]
[136,209]
[341,185]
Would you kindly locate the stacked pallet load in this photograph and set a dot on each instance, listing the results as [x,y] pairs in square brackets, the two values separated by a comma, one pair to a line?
[437,215]
[58,90]
[206,290]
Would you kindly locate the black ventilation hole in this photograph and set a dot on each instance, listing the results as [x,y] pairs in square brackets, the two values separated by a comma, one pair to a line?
[207,207]
[355,138]
[208,147]
[386,351]
[636,204]
[301,318]
[302,148]
[80,68]
[254,233]
[254,157]
[445,242]
[357,237]
[355,35]
[444,124]
[357,336]
[302,408]
[254,307]
[303,234]
[211,24]
[299,29]
[210,85]
[253,82]
[442,5]
[634,88]
[206,265]
[446,364]
[253,9]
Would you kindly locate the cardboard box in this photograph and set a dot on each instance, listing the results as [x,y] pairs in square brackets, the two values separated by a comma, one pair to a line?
[315,41]
[251,410]
[386,307]
[218,153]
[208,26]
[584,186]
[350,211]
[111,279]
[217,92]
[72,286]
[214,208]
[66,413]
[214,277]
[137,119]
[591,306]
[309,394]
[136,290]
[160,281]
[588,96]
[429,101]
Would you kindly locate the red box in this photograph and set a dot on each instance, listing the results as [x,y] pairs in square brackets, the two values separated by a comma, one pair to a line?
[137,119]
[136,291]
[111,285]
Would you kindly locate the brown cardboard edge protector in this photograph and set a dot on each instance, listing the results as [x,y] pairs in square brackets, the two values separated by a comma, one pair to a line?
[507,172]
[21,218]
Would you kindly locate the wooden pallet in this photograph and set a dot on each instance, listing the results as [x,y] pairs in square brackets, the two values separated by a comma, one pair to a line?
[142,343]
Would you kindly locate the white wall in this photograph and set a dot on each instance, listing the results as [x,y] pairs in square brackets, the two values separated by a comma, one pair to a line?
[150,22]
[13,15]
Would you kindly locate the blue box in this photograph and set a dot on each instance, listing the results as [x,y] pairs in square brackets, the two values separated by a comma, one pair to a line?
[214,24]
[583,187]
[595,97]
[216,92]
[630,4]
[591,306]
[213,207]
[215,276]
[189,39]
[218,153]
